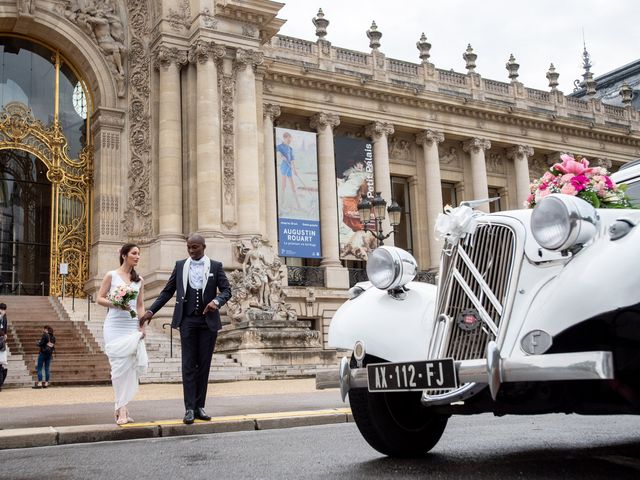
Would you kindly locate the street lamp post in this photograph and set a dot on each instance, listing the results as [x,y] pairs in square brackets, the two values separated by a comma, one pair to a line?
[378,207]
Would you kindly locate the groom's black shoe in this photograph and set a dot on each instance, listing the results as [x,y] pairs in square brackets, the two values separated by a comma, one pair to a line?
[189,417]
[202,415]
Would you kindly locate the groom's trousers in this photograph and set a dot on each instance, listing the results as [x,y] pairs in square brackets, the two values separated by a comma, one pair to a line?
[197,341]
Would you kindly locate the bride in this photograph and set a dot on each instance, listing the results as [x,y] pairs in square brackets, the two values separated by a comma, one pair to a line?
[122,334]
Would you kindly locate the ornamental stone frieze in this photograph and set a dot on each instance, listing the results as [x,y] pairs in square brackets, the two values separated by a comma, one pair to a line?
[138,222]
[495,163]
[180,19]
[378,130]
[101,21]
[399,148]
[227,93]
[449,157]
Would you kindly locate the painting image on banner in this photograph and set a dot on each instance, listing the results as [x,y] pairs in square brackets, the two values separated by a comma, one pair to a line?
[297,183]
[354,178]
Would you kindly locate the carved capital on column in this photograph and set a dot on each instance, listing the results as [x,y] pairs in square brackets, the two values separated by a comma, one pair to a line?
[165,56]
[476,144]
[248,58]
[377,130]
[518,151]
[201,51]
[429,136]
[271,111]
[323,119]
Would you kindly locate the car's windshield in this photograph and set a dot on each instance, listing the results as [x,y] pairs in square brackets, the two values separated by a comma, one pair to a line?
[633,190]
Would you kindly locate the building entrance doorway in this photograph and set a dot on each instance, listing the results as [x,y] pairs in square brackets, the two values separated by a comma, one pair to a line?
[25,224]
[46,170]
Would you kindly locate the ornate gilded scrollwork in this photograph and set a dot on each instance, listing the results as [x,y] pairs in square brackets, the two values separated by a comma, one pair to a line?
[71,181]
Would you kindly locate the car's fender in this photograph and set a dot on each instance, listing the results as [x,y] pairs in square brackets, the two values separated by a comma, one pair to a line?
[603,277]
[392,329]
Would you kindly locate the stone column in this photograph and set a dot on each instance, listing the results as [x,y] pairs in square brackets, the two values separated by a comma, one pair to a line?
[248,155]
[429,140]
[335,275]
[208,178]
[270,113]
[169,61]
[476,148]
[379,132]
[520,155]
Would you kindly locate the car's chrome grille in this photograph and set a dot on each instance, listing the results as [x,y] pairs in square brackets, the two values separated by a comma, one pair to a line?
[474,277]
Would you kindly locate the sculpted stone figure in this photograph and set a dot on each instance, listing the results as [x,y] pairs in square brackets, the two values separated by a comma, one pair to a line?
[98,19]
[255,269]
[257,289]
[26,7]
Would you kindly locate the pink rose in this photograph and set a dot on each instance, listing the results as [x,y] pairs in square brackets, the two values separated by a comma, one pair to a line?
[568,189]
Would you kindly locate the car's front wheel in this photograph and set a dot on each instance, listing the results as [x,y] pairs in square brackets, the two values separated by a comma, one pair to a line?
[396,423]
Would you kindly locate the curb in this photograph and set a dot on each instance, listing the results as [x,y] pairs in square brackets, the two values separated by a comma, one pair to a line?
[50,436]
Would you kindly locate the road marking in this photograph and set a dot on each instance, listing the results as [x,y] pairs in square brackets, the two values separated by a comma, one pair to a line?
[253,416]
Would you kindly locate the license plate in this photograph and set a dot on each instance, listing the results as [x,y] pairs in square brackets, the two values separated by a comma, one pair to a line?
[389,377]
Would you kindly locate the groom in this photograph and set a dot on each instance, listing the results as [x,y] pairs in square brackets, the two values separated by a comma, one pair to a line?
[202,288]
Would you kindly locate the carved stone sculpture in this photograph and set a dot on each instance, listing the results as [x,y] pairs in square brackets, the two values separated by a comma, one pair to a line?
[26,8]
[100,21]
[257,290]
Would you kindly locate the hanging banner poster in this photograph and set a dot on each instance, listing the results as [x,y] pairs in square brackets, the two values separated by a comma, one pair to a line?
[354,180]
[297,184]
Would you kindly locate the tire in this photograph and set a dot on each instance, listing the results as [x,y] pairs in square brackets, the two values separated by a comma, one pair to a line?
[396,424]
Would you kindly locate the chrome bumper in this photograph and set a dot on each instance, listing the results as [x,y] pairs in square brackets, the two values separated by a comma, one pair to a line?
[494,370]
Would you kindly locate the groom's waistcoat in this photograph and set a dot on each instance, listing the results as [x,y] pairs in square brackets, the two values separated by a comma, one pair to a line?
[193,303]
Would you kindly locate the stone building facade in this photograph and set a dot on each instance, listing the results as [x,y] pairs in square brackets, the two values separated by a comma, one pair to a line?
[181,100]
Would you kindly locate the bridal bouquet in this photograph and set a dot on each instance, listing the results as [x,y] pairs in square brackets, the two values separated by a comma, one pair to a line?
[575,177]
[121,296]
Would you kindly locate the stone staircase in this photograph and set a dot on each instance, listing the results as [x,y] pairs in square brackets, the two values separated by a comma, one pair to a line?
[78,358]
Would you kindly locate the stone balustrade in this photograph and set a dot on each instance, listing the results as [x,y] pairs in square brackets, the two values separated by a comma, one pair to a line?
[426,78]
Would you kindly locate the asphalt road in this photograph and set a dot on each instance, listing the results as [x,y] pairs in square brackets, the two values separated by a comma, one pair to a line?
[477,447]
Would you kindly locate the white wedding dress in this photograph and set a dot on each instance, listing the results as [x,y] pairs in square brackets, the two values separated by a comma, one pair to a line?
[125,348]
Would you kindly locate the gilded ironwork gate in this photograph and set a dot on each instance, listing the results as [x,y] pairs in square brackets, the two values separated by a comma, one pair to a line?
[71,181]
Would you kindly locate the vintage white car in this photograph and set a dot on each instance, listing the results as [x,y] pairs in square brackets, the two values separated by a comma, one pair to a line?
[536,311]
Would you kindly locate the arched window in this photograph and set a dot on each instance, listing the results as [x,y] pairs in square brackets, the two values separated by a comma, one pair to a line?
[41,79]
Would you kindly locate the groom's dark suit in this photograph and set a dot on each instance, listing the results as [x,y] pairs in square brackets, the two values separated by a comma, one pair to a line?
[198,331]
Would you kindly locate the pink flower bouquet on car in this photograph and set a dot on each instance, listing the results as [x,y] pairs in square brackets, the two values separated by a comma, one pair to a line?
[121,297]
[575,177]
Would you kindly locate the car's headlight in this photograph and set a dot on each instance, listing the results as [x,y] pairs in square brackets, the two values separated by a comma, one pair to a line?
[391,267]
[559,222]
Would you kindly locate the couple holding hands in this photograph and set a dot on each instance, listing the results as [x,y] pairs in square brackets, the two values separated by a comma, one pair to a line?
[201,289]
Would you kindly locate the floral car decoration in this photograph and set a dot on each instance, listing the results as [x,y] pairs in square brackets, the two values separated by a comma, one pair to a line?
[576,177]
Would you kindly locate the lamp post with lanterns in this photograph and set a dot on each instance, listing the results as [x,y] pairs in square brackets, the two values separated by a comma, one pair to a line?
[378,206]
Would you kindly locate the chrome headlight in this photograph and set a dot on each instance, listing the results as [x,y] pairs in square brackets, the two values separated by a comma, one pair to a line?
[561,221]
[391,267]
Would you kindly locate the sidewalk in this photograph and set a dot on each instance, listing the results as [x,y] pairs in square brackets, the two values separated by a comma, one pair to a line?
[62,415]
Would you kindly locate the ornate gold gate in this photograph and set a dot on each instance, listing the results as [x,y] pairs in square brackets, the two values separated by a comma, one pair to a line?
[71,182]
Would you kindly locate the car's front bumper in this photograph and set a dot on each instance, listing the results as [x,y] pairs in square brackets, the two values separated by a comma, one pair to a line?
[494,370]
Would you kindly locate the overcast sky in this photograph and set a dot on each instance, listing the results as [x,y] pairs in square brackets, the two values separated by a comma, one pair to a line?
[537,32]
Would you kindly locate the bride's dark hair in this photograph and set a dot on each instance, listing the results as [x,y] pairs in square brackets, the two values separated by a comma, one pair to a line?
[124,251]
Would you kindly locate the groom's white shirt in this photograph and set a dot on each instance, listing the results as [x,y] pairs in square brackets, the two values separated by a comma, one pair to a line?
[187,267]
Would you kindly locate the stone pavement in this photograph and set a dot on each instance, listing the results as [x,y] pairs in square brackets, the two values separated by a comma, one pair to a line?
[62,415]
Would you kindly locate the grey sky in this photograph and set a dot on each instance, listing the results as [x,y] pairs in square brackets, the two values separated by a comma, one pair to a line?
[537,32]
